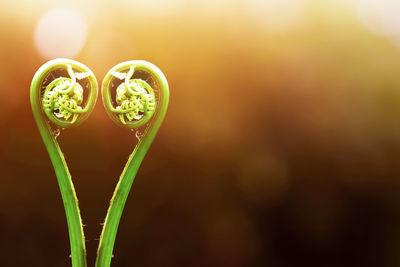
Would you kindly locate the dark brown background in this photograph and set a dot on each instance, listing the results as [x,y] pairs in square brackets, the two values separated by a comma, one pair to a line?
[278,149]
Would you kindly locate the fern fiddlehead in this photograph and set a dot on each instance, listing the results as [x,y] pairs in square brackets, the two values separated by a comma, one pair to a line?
[58,101]
[135,105]
[63,96]
[135,99]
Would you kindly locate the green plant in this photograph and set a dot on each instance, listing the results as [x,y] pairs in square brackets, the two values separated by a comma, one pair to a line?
[136,104]
[57,102]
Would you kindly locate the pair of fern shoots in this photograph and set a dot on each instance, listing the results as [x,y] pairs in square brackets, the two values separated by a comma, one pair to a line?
[63,94]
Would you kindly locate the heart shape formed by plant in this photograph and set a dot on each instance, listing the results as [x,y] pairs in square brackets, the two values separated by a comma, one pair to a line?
[135,95]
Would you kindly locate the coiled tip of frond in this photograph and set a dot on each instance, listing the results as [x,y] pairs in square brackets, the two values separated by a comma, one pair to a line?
[128,92]
[65,90]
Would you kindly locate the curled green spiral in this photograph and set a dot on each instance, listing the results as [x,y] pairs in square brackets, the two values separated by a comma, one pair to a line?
[63,97]
[135,99]
[62,103]
[137,106]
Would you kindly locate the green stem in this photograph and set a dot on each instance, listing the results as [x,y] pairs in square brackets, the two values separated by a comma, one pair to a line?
[108,235]
[77,240]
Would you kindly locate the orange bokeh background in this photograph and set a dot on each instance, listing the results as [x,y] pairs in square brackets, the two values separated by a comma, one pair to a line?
[281,145]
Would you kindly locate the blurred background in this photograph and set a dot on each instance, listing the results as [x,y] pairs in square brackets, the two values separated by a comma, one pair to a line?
[281,145]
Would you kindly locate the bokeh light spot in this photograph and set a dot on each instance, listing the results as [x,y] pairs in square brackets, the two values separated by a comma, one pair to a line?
[380,17]
[60,33]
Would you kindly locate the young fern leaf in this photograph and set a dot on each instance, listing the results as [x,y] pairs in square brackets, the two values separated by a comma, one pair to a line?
[60,103]
[135,105]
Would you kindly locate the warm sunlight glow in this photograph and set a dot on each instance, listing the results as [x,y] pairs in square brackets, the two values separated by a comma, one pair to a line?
[153,7]
[60,33]
[380,16]
[276,15]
